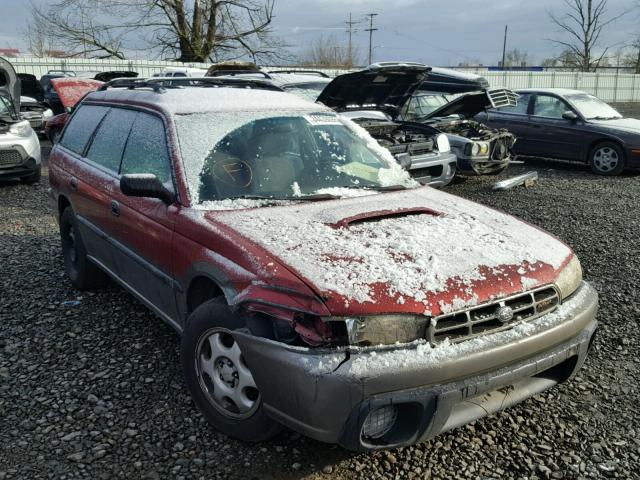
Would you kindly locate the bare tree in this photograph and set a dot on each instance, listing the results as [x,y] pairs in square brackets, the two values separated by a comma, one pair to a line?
[516,58]
[187,30]
[38,38]
[583,24]
[327,51]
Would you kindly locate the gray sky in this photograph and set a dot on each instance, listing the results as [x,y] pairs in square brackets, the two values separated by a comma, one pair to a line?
[443,32]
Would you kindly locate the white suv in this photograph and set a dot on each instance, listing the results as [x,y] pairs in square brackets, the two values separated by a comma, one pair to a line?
[19,145]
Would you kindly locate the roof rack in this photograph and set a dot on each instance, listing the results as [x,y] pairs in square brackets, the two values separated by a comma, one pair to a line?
[312,72]
[160,84]
[236,72]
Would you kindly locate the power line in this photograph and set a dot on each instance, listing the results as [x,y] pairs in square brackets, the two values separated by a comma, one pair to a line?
[370,30]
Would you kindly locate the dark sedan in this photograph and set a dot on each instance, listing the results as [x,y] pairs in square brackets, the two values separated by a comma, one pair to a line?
[570,125]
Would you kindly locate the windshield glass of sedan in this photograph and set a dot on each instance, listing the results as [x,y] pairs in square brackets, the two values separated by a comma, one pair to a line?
[592,107]
[288,155]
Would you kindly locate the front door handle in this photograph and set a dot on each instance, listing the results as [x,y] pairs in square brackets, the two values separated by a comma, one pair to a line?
[115,208]
[73,183]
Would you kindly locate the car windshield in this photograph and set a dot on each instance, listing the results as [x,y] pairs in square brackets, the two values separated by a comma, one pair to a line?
[308,91]
[292,155]
[422,105]
[592,108]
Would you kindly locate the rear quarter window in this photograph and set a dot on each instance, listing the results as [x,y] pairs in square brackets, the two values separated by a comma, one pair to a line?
[109,141]
[81,127]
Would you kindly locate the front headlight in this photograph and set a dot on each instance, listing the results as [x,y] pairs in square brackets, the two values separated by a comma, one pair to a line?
[443,143]
[570,278]
[382,329]
[478,149]
[21,129]
[47,114]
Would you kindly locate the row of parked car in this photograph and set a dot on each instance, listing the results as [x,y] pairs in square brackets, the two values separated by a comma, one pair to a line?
[315,284]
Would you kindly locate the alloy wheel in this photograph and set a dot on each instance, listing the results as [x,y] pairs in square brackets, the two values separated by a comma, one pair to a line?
[605,159]
[224,376]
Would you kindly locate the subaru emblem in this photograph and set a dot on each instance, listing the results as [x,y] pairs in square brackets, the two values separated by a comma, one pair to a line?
[504,314]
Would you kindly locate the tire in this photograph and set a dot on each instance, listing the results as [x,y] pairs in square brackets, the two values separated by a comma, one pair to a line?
[54,135]
[33,177]
[83,274]
[208,350]
[607,158]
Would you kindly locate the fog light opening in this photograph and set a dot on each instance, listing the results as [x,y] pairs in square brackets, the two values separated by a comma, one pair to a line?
[379,422]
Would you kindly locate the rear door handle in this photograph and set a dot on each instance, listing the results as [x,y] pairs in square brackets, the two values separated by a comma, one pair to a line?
[73,183]
[115,208]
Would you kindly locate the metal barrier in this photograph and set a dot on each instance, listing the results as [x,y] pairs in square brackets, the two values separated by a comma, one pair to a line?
[610,86]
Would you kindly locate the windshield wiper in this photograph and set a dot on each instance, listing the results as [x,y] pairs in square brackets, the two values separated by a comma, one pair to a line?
[603,118]
[314,197]
[390,188]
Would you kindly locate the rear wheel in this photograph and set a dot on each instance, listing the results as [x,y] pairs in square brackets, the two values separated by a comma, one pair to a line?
[218,377]
[84,275]
[607,158]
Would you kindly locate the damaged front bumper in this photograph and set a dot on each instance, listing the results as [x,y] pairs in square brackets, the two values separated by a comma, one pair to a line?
[329,395]
[435,169]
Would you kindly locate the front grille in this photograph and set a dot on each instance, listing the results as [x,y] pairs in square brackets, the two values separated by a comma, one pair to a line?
[485,318]
[413,149]
[9,158]
[502,97]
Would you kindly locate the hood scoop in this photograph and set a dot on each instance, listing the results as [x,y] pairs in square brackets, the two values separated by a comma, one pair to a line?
[382,215]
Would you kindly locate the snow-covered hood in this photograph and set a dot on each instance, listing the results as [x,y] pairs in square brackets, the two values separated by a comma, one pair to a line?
[10,83]
[629,125]
[418,251]
[71,90]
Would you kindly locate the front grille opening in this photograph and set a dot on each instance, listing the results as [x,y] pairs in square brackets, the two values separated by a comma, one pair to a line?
[435,171]
[492,316]
[561,372]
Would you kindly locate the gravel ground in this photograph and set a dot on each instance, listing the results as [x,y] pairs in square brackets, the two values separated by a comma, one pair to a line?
[95,390]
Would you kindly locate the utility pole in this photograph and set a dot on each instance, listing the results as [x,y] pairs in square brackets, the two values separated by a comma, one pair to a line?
[370,30]
[504,47]
[350,23]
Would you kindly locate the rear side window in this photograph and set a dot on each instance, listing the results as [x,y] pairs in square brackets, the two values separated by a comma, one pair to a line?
[81,127]
[110,139]
[521,106]
[146,150]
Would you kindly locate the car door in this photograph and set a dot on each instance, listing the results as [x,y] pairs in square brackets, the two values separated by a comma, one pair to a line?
[516,119]
[84,181]
[551,135]
[145,225]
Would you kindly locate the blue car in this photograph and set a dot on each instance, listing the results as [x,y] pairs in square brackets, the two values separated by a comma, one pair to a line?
[570,125]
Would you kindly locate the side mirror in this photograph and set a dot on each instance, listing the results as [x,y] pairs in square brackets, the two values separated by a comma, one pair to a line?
[145,185]
[569,115]
[404,159]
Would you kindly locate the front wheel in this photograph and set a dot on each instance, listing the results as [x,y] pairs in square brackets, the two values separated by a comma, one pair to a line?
[607,158]
[218,376]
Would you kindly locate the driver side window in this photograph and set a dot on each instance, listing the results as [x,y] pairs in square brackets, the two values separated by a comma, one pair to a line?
[550,107]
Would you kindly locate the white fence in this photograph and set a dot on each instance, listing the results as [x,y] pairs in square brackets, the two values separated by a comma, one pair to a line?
[610,86]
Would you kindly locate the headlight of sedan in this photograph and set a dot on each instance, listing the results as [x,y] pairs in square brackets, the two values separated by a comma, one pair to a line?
[443,143]
[382,329]
[21,129]
[477,149]
[47,114]
[570,278]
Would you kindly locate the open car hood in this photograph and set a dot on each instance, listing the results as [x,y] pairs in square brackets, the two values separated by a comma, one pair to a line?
[10,83]
[70,90]
[108,76]
[417,251]
[448,82]
[471,104]
[381,86]
[30,87]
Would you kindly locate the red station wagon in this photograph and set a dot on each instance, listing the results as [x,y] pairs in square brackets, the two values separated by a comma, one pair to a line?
[314,284]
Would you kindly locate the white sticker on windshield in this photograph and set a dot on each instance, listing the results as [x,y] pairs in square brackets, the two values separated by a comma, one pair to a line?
[322,118]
